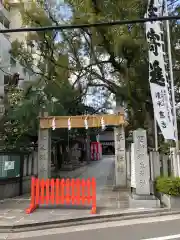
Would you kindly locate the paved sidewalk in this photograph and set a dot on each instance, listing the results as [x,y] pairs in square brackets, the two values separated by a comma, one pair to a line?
[103,171]
[71,174]
[12,211]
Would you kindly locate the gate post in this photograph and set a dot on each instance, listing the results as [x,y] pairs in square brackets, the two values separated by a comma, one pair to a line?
[44,152]
[120,157]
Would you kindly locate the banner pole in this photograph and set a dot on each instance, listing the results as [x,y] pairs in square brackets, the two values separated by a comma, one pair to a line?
[155,134]
[172,87]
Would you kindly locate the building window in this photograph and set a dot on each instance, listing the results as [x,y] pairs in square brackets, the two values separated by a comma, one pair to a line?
[5,22]
[12,62]
[24,71]
[7,79]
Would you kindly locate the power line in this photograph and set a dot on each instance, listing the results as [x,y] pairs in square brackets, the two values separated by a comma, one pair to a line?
[97,24]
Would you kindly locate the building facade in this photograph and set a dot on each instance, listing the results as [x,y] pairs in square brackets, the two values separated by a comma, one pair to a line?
[106,138]
[10,17]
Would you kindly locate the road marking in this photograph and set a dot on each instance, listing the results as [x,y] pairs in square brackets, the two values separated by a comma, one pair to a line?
[12,217]
[164,238]
[94,226]
[20,219]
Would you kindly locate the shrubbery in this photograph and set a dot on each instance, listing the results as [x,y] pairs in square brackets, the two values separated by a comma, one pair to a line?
[168,185]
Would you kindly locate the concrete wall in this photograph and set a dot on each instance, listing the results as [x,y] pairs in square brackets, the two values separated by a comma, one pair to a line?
[16,22]
[4,11]
[12,187]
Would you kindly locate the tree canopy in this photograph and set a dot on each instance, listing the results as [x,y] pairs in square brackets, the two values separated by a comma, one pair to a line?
[101,62]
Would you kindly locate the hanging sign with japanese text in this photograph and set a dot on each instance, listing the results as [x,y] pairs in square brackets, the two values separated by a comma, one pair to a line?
[158,72]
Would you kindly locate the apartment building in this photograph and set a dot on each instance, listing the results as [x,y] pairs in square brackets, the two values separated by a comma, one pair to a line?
[10,18]
[17,22]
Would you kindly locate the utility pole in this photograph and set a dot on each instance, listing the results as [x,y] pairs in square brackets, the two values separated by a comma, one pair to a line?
[155,134]
[172,87]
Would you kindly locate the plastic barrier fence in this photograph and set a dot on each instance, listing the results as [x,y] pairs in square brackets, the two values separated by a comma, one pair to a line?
[61,191]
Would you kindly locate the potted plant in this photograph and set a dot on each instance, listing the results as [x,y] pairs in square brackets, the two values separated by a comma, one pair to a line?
[169,189]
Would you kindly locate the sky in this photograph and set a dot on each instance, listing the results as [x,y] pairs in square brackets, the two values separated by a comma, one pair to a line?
[65,13]
[175,3]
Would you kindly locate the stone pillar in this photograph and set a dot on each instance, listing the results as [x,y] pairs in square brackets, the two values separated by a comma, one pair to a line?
[154,159]
[35,157]
[128,166]
[155,165]
[128,162]
[133,165]
[173,156]
[25,165]
[44,153]
[88,149]
[30,164]
[165,165]
[120,157]
[142,168]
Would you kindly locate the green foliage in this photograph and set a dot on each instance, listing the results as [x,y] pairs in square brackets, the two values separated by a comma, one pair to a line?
[168,185]
[126,52]
[52,90]
[19,52]
[165,147]
[118,60]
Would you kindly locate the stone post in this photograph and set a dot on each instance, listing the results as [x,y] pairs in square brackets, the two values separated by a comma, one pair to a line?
[142,168]
[88,149]
[173,156]
[133,165]
[165,165]
[25,165]
[30,164]
[154,168]
[128,162]
[44,153]
[155,165]
[35,157]
[120,157]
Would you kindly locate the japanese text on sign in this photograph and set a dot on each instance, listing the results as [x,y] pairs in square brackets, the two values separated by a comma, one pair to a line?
[158,70]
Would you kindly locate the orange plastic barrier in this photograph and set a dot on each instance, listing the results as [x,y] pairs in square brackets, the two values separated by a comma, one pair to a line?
[61,191]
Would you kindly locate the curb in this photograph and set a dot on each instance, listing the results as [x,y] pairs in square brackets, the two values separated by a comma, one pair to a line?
[91,219]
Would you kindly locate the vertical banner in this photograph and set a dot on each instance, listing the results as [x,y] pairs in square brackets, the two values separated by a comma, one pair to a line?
[158,73]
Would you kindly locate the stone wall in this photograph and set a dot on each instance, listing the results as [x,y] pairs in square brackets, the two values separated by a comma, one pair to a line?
[13,187]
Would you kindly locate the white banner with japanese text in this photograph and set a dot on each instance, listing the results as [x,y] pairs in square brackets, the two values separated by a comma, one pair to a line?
[158,73]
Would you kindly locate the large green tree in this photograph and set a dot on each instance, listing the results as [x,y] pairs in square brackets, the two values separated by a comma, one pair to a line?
[51,91]
[103,59]
[118,54]
[112,60]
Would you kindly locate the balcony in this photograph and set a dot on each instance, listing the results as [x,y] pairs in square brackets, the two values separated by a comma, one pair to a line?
[4,10]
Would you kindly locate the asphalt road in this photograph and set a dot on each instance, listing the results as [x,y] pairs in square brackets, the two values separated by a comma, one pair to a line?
[157,228]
